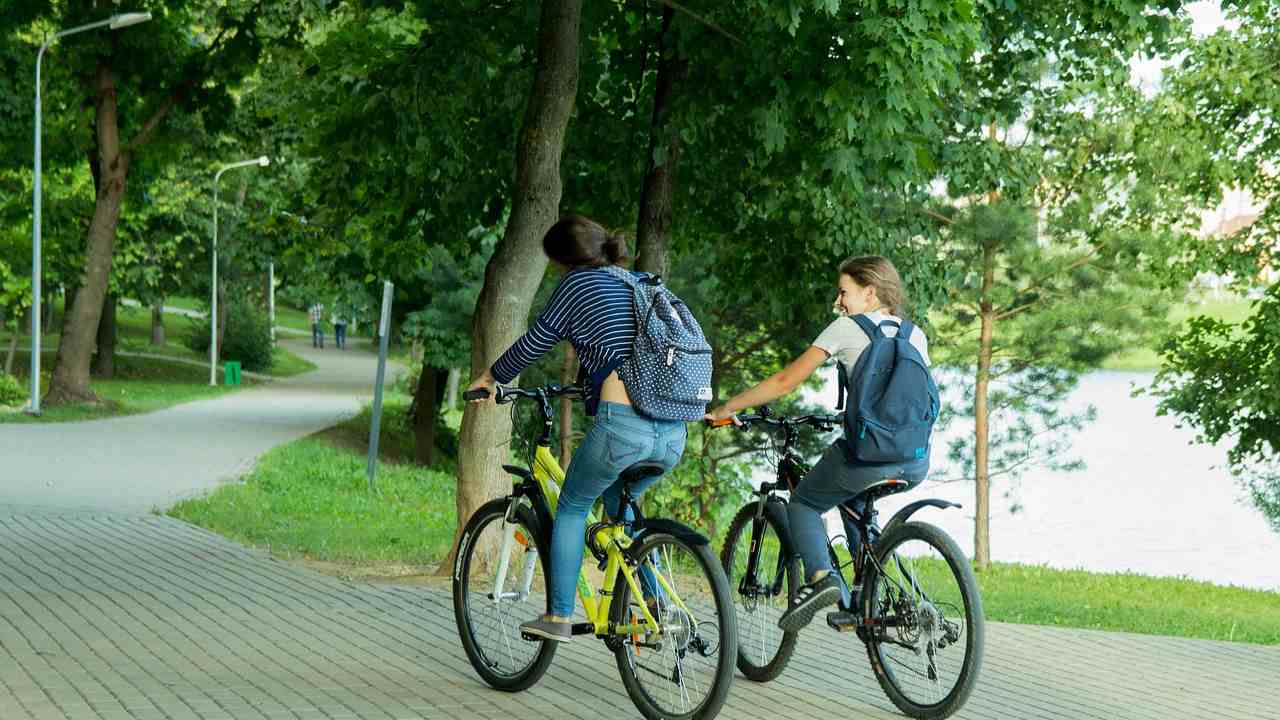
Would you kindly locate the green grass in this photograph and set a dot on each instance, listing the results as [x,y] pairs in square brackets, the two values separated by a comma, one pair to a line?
[285,316]
[1125,602]
[309,500]
[133,328]
[140,385]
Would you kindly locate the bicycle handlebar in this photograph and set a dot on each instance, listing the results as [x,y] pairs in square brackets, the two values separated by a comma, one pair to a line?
[510,394]
[746,421]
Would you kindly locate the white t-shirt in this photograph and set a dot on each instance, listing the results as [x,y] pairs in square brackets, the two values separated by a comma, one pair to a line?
[845,341]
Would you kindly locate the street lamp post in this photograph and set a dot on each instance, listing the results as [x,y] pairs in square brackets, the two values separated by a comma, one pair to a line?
[115,22]
[213,286]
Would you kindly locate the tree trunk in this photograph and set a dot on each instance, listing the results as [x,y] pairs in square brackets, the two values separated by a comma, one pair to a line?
[46,316]
[568,373]
[517,265]
[982,500]
[104,362]
[12,352]
[653,228]
[157,323]
[424,417]
[13,342]
[70,381]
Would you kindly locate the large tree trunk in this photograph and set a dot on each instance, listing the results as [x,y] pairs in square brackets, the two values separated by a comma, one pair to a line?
[568,373]
[653,228]
[70,381]
[513,273]
[104,362]
[424,416]
[157,323]
[981,413]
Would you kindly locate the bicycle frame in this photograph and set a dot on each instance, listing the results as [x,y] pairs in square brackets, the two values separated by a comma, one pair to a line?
[541,488]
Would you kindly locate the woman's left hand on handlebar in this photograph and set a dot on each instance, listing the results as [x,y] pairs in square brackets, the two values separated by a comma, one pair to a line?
[719,414]
[484,382]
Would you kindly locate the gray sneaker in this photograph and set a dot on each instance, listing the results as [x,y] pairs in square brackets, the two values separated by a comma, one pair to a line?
[543,629]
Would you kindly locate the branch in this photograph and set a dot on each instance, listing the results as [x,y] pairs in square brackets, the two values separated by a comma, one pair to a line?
[731,360]
[736,453]
[149,127]
[939,216]
[698,18]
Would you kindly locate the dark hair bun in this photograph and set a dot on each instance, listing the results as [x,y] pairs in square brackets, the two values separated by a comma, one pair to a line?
[577,241]
[615,249]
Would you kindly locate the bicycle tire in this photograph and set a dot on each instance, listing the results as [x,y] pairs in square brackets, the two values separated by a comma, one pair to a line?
[726,651]
[753,666]
[973,629]
[530,673]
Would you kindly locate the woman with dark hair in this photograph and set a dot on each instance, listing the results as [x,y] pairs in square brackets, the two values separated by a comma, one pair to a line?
[593,310]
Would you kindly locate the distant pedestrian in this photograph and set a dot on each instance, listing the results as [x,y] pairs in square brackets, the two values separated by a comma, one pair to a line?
[339,331]
[317,326]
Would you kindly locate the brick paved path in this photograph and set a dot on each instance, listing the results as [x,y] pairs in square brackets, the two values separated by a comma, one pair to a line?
[145,617]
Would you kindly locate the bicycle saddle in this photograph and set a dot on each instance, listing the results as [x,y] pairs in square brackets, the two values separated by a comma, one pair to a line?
[639,471]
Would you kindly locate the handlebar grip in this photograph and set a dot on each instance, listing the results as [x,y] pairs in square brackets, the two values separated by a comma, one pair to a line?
[719,423]
[477,394]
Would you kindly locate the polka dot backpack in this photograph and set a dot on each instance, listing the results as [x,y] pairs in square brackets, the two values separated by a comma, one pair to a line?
[668,375]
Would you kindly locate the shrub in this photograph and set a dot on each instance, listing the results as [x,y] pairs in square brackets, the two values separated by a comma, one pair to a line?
[11,391]
[246,338]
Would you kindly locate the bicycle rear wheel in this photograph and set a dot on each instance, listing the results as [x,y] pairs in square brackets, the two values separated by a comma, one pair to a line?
[925,629]
[763,648]
[488,612]
[683,671]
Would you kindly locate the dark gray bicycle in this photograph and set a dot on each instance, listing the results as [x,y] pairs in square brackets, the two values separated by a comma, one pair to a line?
[916,604]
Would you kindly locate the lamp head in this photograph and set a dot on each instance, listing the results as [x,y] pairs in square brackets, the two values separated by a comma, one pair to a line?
[124,20]
[263,161]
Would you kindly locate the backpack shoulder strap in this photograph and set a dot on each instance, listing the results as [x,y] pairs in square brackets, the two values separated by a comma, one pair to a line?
[867,326]
[622,274]
[905,329]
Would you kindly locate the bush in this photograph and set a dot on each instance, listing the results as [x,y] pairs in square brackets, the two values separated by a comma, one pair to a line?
[11,391]
[246,338]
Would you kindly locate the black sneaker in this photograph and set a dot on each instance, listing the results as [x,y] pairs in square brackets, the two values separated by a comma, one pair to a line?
[809,599]
[543,629]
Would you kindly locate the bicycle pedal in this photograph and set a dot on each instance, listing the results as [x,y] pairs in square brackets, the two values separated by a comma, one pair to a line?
[842,621]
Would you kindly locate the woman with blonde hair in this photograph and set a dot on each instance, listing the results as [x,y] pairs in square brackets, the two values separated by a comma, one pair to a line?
[870,286]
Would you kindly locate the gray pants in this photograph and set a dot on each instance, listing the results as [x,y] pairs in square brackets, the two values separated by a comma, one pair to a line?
[833,480]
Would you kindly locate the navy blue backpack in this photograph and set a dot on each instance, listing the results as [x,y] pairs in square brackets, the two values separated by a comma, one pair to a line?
[890,400]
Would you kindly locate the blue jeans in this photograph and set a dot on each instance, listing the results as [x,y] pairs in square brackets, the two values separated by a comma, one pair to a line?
[619,437]
[339,335]
[317,335]
[833,480]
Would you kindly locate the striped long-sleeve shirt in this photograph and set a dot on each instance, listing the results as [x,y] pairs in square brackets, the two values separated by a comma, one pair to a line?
[594,311]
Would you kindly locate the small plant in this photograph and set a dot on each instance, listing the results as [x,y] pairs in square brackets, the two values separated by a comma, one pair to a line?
[246,338]
[11,392]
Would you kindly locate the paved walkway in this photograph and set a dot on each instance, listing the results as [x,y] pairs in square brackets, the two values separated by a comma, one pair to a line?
[110,613]
[147,618]
[139,463]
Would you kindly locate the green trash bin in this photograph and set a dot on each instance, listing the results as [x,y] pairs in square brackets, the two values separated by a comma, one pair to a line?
[231,373]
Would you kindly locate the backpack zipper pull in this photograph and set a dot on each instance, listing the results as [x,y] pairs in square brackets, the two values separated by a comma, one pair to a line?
[671,356]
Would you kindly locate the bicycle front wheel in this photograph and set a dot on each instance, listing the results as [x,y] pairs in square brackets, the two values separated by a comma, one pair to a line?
[499,581]
[924,631]
[684,668]
[760,597]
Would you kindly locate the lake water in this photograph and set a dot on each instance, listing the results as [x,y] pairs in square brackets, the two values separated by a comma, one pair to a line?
[1149,500]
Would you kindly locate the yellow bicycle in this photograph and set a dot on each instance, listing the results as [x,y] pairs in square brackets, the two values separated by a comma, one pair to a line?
[670,622]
